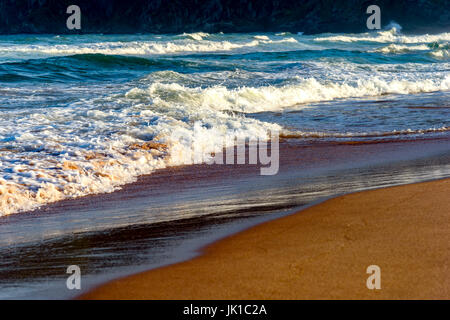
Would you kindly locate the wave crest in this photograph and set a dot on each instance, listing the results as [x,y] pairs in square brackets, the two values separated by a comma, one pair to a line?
[387,36]
[270,98]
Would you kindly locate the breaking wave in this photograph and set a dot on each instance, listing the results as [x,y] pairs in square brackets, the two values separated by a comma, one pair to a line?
[386,36]
[141,48]
[52,155]
[436,50]
[270,98]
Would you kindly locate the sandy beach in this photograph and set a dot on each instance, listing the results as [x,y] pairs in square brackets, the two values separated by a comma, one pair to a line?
[319,253]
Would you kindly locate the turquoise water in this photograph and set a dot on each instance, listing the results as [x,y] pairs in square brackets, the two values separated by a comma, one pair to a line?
[72,106]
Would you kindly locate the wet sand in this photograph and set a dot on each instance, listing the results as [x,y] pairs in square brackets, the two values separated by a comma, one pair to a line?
[319,253]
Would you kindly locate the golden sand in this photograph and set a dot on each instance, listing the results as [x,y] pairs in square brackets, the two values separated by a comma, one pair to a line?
[319,253]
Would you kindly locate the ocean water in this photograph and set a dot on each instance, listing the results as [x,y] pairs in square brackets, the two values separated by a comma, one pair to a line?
[86,114]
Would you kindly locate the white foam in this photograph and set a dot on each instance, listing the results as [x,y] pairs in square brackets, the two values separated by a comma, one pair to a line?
[270,98]
[397,48]
[196,35]
[388,36]
[131,48]
[436,50]
[442,52]
[50,156]
[194,43]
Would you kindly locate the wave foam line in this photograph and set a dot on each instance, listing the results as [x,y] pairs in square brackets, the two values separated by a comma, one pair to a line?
[142,47]
[312,135]
[437,50]
[79,165]
[270,98]
[388,36]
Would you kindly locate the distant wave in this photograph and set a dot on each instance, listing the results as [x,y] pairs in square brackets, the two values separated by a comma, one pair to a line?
[195,36]
[141,47]
[391,41]
[434,49]
[397,48]
[388,36]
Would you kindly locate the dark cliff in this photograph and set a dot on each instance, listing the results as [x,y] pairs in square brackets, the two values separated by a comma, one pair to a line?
[175,16]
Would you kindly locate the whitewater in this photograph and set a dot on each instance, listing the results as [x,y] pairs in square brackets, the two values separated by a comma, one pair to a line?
[86,114]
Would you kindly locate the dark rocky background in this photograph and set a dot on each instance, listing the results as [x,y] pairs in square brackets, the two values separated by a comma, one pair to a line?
[175,16]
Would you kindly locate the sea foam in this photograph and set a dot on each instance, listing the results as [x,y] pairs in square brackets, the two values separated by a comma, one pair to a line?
[386,36]
[270,98]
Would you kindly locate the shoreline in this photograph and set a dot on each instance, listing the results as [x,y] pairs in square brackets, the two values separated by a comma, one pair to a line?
[168,216]
[180,172]
[321,252]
